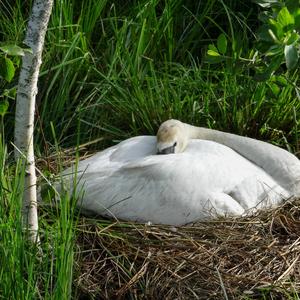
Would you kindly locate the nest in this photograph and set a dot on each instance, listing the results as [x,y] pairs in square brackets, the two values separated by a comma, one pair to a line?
[233,258]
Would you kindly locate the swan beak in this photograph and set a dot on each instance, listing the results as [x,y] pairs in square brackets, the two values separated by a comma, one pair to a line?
[168,150]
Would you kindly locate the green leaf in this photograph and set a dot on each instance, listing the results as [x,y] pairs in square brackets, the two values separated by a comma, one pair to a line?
[3,107]
[222,43]
[285,19]
[275,30]
[213,59]
[212,47]
[7,69]
[13,50]
[291,56]
[212,53]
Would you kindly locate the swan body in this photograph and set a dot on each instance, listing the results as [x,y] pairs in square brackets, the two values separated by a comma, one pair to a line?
[201,179]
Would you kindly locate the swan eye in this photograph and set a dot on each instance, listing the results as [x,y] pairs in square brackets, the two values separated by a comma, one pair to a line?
[175,144]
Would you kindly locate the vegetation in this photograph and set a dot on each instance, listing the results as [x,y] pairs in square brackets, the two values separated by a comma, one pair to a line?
[114,69]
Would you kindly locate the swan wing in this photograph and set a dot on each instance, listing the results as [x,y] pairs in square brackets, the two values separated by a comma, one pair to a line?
[281,165]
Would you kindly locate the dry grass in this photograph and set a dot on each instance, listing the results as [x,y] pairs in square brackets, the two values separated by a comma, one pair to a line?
[253,257]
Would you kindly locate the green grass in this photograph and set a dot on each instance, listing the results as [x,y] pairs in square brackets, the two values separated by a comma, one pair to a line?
[118,69]
[28,271]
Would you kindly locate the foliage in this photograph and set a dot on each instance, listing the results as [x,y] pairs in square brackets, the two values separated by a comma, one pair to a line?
[279,36]
[277,41]
[7,73]
[39,272]
[115,70]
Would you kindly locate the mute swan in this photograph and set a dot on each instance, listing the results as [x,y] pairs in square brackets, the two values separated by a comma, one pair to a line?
[210,173]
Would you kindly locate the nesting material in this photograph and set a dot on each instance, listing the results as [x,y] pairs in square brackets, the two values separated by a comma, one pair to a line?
[232,258]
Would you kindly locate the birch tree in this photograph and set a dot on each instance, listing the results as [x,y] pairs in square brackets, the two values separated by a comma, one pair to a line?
[25,108]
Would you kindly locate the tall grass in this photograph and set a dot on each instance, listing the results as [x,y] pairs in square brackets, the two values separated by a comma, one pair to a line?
[120,69]
[29,271]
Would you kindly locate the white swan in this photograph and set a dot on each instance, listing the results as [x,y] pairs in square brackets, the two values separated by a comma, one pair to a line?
[202,179]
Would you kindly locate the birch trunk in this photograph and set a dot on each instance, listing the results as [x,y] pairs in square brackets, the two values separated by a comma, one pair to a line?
[25,108]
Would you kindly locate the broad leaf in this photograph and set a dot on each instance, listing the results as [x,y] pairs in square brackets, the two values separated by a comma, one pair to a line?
[7,69]
[13,50]
[291,56]
[213,59]
[285,19]
[275,30]
[212,47]
[222,43]
[212,53]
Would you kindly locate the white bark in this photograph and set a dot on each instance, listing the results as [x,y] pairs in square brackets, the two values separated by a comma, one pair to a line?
[25,107]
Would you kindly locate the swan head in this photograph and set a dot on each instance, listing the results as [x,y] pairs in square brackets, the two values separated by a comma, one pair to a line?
[171,137]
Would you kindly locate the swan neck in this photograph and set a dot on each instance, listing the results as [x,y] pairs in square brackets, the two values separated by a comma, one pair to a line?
[194,132]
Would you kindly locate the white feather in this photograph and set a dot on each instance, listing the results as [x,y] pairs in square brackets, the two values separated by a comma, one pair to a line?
[129,181]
